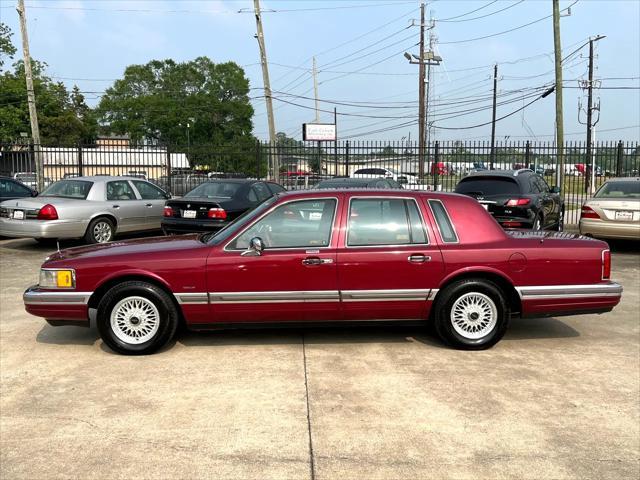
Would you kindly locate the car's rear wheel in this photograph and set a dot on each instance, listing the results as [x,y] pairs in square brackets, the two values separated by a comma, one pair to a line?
[471,314]
[136,318]
[537,223]
[100,230]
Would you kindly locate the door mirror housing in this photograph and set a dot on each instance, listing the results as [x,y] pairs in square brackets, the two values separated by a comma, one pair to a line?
[555,189]
[256,247]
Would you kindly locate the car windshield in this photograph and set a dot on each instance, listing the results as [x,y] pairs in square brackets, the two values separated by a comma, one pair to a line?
[215,189]
[488,186]
[68,189]
[235,226]
[615,189]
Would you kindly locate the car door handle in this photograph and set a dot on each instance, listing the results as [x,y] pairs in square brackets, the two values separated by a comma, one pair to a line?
[149,205]
[316,261]
[116,206]
[418,258]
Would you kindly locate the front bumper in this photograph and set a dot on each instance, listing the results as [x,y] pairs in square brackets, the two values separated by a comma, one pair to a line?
[42,228]
[609,229]
[186,225]
[57,305]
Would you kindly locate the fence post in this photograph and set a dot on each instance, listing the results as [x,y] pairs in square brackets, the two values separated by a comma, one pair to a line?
[80,161]
[527,155]
[436,164]
[168,166]
[619,159]
[257,159]
[346,160]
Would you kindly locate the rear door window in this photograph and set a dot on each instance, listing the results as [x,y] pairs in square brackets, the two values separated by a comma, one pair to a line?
[148,191]
[262,192]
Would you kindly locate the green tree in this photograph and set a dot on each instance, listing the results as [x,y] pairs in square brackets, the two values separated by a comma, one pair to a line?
[189,103]
[7,50]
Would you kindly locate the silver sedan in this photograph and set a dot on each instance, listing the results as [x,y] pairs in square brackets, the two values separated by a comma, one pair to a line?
[93,208]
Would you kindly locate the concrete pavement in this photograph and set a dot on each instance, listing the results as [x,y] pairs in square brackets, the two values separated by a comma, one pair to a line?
[557,398]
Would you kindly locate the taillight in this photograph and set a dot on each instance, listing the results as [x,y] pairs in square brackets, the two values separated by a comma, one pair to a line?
[218,213]
[606,265]
[517,202]
[48,212]
[588,212]
[168,212]
[509,224]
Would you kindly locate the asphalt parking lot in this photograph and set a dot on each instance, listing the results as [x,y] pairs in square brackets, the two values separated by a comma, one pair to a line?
[557,398]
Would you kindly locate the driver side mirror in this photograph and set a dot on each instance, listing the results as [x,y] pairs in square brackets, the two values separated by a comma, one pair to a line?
[256,247]
[555,189]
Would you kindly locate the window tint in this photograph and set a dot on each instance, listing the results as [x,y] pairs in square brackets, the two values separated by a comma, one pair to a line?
[69,189]
[120,190]
[148,191]
[544,187]
[534,186]
[214,189]
[275,188]
[444,222]
[11,189]
[488,186]
[384,222]
[252,196]
[261,191]
[302,224]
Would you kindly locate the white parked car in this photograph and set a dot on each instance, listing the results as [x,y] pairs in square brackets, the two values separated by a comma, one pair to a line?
[407,180]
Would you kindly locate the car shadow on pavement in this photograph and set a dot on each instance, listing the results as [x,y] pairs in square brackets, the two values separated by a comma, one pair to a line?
[534,328]
[68,335]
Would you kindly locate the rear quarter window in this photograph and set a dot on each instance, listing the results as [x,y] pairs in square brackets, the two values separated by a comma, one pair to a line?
[445,225]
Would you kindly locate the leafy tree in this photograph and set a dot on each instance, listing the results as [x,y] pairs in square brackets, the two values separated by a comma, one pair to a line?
[6,47]
[190,103]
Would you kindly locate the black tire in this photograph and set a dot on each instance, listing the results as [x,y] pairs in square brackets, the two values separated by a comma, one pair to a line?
[455,294]
[98,225]
[536,226]
[166,316]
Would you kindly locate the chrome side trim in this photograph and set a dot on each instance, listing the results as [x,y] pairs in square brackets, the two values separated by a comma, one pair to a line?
[432,294]
[384,295]
[550,292]
[34,297]
[274,297]
[192,298]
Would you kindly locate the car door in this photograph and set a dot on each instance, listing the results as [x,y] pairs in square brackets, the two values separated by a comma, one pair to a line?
[387,266]
[551,202]
[129,210]
[154,199]
[294,279]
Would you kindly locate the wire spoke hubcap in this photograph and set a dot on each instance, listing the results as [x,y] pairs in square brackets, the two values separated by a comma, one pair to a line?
[474,315]
[102,232]
[135,320]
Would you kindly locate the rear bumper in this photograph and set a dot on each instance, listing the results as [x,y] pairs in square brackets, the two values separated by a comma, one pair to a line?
[609,229]
[185,225]
[42,228]
[556,300]
[68,306]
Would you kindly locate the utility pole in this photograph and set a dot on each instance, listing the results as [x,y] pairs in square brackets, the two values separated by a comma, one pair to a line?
[559,117]
[267,91]
[315,89]
[421,99]
[493,120]
[31,97]
[429,61]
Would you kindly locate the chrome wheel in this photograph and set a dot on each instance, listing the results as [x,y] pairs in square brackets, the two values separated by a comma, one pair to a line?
[102,232]
[135,320]
[474,315]
[537,224]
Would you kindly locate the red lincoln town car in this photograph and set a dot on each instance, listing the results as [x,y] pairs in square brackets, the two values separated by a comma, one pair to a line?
[329,256]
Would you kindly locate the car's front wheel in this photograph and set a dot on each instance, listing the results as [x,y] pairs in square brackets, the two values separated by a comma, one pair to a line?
[471,314]
[136,318]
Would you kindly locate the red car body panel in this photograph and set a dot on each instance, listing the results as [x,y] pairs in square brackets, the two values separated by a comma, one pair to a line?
[547,273]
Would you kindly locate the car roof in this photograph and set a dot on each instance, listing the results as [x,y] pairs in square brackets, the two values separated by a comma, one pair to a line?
[379,192]
[351,180]
[624,179]
[501,173]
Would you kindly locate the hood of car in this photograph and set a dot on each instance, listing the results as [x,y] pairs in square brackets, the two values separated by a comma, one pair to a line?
[134,248]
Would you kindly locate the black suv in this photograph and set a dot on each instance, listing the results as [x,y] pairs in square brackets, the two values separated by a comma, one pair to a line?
[516,198]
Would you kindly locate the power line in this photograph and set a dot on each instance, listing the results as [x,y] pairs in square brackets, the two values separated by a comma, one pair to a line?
[481,16]
[470,12]
[505,31]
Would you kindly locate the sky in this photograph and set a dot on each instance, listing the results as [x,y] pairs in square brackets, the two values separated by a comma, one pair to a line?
[359,46]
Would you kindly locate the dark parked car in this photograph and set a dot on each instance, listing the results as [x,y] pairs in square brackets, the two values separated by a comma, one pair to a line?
[11,189]
[516,198]
[346,182]
[215,203]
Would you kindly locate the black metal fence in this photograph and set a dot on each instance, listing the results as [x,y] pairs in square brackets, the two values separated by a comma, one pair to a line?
[300,165]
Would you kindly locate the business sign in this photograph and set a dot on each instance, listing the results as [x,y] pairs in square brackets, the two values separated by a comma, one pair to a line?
[321,132]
